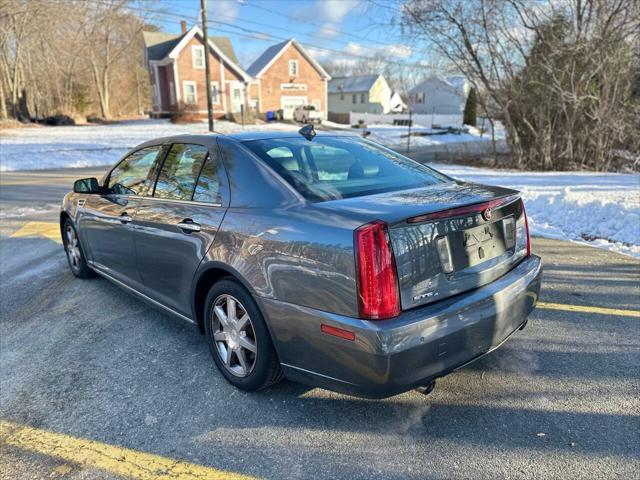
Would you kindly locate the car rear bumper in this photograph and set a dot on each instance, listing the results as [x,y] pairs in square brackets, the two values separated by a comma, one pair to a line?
[392,356]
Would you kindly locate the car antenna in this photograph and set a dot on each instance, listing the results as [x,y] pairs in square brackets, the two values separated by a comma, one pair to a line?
[308,132]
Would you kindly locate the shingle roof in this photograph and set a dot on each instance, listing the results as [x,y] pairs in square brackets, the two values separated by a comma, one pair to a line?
[159,44]
[361,83]
[264,59]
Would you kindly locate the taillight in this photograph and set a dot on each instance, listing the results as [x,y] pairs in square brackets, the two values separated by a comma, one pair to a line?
[526,226]
[378,296]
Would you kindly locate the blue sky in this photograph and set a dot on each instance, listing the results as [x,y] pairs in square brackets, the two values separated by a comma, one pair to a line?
[349,28]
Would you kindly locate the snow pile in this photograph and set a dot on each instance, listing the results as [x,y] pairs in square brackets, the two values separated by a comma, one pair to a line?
[598,209]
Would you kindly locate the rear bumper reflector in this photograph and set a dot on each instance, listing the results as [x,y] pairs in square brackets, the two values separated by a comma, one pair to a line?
[337,332]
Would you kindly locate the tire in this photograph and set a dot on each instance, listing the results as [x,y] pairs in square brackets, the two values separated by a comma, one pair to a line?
[243,368]
[73,249]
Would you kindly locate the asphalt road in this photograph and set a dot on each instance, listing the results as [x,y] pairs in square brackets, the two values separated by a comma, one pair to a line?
[88,360]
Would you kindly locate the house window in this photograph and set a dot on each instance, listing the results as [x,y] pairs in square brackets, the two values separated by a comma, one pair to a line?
[342,96]
[190,93]
[362,96]
[197,54]
[293,68]
[354,98]
[214,92]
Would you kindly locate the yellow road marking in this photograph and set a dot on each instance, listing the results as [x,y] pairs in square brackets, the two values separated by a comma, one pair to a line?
[586,309]
[50,230]
[116,460]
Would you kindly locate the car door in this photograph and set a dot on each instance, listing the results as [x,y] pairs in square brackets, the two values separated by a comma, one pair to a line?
[175,226]
[107,218]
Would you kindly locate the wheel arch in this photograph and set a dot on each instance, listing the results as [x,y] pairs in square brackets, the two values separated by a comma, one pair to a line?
[205,278]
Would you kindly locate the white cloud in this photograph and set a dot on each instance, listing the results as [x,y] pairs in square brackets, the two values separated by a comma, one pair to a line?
[327,31]
[336,10]
[227,8]
[326,11]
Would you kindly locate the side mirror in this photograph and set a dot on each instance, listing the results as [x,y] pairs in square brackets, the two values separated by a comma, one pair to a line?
[86,185]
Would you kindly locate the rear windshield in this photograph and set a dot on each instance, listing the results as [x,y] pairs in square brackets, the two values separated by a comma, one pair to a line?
[329,168]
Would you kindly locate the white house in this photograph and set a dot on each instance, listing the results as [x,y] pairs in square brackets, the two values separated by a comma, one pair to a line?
[361,94]
[396,104]
[440,96]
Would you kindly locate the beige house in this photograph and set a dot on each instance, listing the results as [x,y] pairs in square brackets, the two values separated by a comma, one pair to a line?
[359,94]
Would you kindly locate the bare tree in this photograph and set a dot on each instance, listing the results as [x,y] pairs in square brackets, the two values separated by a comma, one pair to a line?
[559,72]
[64,57]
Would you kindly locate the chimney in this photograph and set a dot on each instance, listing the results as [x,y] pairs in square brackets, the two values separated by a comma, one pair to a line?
[183,26]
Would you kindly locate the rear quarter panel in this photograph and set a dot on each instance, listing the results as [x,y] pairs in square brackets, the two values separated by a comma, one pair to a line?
[284,255]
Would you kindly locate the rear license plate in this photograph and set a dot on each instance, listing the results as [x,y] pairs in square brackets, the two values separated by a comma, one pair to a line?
[479,244]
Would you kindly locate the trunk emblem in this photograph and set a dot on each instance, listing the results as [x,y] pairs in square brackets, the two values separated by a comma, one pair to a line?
[487,214]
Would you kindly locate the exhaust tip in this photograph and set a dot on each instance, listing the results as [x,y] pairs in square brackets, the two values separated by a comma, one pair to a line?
[427,389]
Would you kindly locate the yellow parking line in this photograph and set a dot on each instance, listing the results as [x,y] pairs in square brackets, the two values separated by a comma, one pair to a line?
[116,460]
[587,309]
[50,230]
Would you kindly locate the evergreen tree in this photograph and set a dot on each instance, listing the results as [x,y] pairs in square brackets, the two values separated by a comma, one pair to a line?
[471,108]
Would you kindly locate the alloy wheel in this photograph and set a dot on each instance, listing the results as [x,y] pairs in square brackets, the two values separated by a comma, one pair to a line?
[73,248]
[234,335]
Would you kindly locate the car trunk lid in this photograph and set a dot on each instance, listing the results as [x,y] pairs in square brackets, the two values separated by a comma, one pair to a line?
[445,253]
[442,244]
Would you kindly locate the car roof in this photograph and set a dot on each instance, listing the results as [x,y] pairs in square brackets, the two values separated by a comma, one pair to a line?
[246,136]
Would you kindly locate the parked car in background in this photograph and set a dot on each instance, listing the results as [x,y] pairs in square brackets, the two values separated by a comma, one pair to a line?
[327,259]
[307,114]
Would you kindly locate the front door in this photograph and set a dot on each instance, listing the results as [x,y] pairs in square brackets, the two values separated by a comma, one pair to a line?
[289,104]
[177,224]
[106,220]
[236,90]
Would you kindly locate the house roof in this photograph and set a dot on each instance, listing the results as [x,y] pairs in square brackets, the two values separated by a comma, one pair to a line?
[271,54]
[456,85]
[360,83]
[160,44]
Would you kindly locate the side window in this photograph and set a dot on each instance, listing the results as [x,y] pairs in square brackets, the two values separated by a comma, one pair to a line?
[179,172]
[129,177]
[208,188]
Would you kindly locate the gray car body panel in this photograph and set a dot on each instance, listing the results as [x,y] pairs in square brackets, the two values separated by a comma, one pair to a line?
[296,257]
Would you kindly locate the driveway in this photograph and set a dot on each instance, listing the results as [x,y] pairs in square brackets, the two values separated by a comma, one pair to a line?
[96,384]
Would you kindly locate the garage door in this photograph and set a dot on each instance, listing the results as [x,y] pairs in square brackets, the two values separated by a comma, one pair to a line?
[289,104]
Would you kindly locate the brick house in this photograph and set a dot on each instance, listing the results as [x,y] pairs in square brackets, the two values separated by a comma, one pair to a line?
[176,70]
[286,77]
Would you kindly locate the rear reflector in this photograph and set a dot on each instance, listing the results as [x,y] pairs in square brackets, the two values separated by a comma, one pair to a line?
[378,296]
[337,332]
[465,210]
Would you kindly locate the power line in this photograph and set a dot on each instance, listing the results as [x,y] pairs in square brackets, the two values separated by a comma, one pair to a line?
[256,35]
[309,22]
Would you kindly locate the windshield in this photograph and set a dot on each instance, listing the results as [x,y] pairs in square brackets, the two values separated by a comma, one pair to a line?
[329,168]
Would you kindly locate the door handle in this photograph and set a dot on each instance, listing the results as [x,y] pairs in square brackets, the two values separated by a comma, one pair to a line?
[124,218]
[188,226]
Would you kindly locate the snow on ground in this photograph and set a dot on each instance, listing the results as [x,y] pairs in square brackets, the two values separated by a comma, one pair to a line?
[94,145]
[602,210]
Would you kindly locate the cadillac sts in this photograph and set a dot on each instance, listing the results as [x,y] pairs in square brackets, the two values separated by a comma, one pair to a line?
[326,259]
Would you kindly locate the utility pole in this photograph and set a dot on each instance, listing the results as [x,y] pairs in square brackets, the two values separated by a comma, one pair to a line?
[409,134]
[207,74]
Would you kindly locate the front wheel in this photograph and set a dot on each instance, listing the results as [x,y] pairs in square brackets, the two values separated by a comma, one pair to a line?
[238,337]
[75,255]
